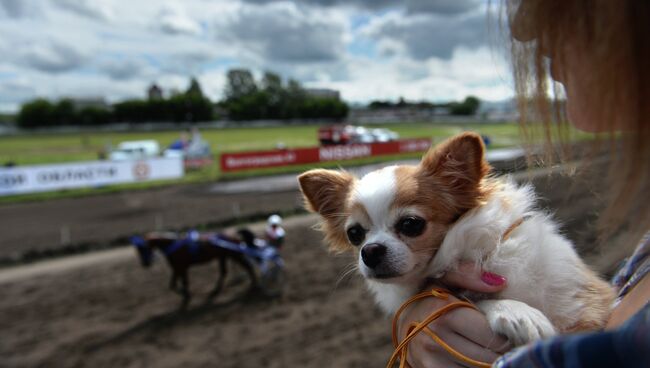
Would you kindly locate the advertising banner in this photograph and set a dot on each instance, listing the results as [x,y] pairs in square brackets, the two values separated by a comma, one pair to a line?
[40,178]
[285,157]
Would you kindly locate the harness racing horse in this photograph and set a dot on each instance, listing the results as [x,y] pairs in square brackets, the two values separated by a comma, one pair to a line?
[183,252]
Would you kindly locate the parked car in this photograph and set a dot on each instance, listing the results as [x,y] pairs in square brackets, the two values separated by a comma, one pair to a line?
[134,150]
[384,135]
[346,134]
[361,135]
[334,134]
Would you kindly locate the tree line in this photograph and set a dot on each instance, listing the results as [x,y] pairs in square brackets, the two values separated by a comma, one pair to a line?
[272,98]
[469,106]
[244,99]
[189,106]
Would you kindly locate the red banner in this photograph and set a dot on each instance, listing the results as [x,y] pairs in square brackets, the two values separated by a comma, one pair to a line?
[285,157]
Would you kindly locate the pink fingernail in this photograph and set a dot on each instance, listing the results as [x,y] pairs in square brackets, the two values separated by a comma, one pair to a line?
[493,279]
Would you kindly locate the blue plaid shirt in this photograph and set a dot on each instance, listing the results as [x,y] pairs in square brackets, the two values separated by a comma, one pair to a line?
[627,346]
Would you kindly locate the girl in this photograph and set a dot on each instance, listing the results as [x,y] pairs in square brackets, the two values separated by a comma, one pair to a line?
[599,50]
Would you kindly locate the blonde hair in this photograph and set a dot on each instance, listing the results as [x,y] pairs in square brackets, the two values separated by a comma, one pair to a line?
[615,35]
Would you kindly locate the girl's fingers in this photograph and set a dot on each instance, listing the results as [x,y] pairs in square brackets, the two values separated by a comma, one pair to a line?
[468,276]
[427,353]
[473,326]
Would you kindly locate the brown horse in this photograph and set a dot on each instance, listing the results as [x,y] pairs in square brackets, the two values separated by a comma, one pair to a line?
[183,252]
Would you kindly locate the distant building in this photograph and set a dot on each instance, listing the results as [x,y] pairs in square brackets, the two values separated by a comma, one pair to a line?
[154,92]
[441,111]
[499,111]
[323,93]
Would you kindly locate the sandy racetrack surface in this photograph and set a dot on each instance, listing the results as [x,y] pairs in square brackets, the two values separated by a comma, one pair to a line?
[117,314]
[102,309]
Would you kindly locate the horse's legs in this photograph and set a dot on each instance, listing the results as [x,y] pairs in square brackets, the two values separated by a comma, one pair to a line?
[185,287]
[173,280]
[223,270]
[249,269]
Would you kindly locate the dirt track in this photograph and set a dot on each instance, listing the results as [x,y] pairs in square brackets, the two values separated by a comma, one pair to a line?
[118,314]
[42,226]
[58,265]
[114,313]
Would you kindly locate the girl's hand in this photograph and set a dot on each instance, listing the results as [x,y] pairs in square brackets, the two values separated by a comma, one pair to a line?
[464,329]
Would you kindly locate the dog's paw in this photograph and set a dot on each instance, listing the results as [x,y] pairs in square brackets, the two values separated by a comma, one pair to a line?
[518,321]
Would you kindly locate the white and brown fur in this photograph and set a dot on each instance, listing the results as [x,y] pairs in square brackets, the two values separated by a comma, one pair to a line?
[466,213]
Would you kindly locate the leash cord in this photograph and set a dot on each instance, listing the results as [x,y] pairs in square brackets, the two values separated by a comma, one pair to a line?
[401,348]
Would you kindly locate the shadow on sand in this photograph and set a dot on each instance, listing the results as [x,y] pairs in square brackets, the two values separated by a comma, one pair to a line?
[181,315]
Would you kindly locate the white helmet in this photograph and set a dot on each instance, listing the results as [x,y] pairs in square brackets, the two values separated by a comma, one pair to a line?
[275,220]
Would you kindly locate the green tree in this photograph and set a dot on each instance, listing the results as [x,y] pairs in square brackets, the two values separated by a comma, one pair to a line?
[275,96]
[271,99]
[37,113]
[472,103]
[131,111]
[194,89]
[468,107]
[240,82]
[158,110]
[189,108]
[380,104]
[65,113]
[199,108]
[91,116]
[296,97]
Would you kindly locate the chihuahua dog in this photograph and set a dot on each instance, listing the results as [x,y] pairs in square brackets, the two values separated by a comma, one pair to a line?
[411,224]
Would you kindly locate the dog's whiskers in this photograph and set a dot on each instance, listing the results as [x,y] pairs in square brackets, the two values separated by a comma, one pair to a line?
[340,214]
[350,269]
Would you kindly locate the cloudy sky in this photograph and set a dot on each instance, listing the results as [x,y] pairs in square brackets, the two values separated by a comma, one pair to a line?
[368,49]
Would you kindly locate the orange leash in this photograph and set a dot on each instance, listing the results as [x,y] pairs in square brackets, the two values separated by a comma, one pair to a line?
[401,348]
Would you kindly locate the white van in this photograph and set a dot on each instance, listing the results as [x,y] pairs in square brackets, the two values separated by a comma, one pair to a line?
[135,150]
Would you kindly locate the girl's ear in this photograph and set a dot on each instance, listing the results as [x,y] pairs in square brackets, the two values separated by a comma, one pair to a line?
[325,191]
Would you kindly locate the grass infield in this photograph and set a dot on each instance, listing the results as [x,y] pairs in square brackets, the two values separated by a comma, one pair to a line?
[69,147]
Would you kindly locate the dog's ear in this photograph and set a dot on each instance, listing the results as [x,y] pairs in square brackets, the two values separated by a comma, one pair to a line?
[459,161]
[325,191]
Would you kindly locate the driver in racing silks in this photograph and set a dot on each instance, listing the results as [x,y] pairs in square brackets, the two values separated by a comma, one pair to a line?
[274,232]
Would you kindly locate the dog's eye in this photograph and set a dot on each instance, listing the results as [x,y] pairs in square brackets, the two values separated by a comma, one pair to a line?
[356,234]
[411,226]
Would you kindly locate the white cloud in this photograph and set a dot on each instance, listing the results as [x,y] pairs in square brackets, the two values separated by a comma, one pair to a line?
[18,8]
[116,48]
[444,7]
[96,9]
[51,56]
[468,72]
[124,68]
[425,35]
[174,20]
[284,32]
[412,6]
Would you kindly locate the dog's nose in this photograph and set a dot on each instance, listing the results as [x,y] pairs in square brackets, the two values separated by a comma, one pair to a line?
[372,254]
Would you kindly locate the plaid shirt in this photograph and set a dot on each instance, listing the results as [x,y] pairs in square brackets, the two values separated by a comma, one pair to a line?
[627,346]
